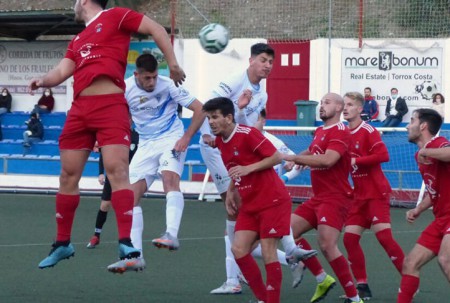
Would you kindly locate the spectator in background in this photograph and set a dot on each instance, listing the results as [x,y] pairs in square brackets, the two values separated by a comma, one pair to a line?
[45,104]
[34,132]
[370,109]
[5,101]
[438,104]
[396,108]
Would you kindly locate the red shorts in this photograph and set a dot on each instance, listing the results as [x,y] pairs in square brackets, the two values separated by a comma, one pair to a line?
[431,237]
[366,213]
[330,211]
[272,222]
[104,118]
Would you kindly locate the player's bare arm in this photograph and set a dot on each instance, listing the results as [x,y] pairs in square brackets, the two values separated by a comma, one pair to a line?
[323,160]
[232,200]
[196,121]
[239,171]
[413,214]
[441,154]
[57,75]
[159,34]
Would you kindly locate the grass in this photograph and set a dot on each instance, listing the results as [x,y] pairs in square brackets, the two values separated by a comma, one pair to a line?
[187,275]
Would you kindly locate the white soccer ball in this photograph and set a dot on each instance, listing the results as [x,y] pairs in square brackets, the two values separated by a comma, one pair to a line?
[213,38]
[427,89]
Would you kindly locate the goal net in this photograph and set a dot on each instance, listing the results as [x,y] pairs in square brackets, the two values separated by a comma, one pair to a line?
[297,20]
[401,170]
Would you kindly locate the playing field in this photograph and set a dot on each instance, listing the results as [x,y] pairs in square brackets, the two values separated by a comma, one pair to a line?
[28,227]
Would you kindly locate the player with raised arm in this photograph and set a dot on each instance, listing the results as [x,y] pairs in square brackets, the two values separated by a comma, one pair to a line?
[163,142]
[371,190]
[262,203]
[432,158]
[249,98]
[96,58]
[329,160]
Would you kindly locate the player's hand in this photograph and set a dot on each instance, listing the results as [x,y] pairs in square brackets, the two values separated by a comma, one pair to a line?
[232,202]
[422,158]
[101,179]
[177,75]
[412,215]
[35,83]
[182,144]
[208,139]
[236,172]
[289,165]
[245,98]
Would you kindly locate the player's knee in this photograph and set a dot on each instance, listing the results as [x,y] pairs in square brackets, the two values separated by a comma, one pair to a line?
[444,262]
[409,265]
[238,251]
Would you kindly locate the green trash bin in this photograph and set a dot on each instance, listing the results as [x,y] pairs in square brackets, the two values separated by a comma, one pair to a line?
[306,112]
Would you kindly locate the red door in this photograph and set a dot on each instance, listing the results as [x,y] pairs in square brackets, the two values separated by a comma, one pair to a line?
[289,80]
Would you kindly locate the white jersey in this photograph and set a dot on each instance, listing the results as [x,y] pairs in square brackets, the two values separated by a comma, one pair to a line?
[233,89]
[155,113]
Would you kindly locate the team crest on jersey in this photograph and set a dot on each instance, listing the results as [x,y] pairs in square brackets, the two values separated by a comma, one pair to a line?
[143,99]
[158,97]
[98,28]
[357,145]
[236,153]
[323,138]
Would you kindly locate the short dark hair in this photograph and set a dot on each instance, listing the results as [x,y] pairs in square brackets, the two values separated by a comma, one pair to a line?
[431,117]
[368,88]
[260,48]
[102,3]
[146,63]
[224,105]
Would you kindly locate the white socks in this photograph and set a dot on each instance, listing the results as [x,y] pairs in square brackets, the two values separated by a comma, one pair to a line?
[137,228]
[231,267]
[288,243]
[174,212]
[257,253]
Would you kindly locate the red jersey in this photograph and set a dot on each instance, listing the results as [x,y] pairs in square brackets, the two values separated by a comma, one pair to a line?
[369,151]
[332,181]
[101,49]
[261,189]
[436,179]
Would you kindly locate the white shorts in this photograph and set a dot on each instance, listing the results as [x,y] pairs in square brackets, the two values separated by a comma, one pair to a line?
[213,160]
[154,156]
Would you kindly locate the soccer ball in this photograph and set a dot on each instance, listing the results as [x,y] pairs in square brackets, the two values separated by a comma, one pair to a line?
[427,89]
[213,38]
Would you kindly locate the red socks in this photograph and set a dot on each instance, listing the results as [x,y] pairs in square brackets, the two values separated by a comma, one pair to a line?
[356,257]
[391,247]
[66,206]
[251,272]
[408,287]
[273,285]
[312,263]
[342,271]
[122,202]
